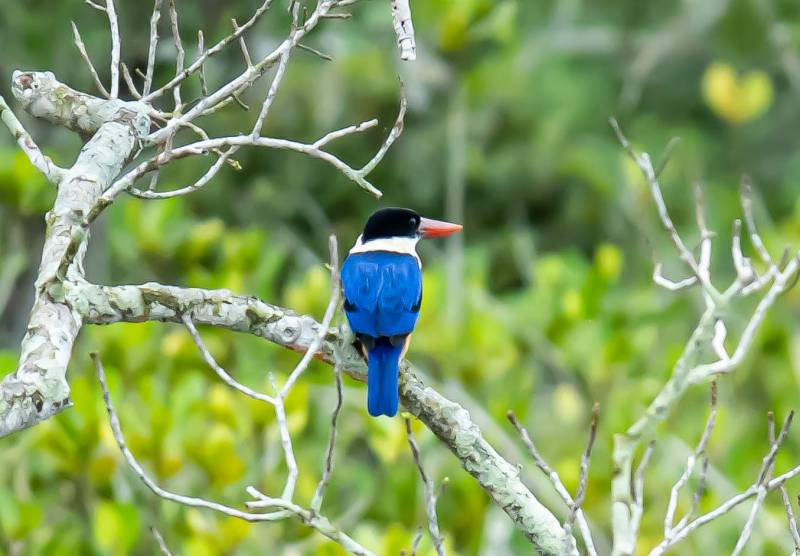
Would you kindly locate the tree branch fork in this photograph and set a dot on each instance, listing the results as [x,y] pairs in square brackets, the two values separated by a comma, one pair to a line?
[121,148]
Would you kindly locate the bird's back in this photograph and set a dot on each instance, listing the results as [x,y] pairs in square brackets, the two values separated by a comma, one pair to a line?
[383,292]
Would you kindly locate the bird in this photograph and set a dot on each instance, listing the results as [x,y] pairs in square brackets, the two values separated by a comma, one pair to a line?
[382,284]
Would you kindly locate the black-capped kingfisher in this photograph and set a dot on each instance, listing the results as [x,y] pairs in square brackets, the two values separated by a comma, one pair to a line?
[382,281]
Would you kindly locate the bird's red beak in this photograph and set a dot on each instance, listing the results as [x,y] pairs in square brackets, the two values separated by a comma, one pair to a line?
[437,228]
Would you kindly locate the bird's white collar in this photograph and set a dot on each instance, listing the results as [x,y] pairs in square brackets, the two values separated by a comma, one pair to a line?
[401,245]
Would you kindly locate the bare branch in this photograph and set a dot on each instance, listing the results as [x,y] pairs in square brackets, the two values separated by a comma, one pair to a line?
[38,389]
[312,519]
[314,51]
[201,73]
[646,166]
[151,51]
[162,546]
[555,480]
[198,63]
[637,488]
[449,421]
[316,501]
[430,495]
[40,161]
[404,29]
[286,443]
[199,147]
[746,198]
[97,7]
[273,90]
[82,49]
[702,372]
[659,279]
[583,477]
[115,47]
[397,129]
[787,503]
[242,45]
[129,82]
[765,474]
[718,341]
[691,462]
[763,485]
[326,319]
[211,362]
[181,54]
[204,179]
[319,143]
[742,265]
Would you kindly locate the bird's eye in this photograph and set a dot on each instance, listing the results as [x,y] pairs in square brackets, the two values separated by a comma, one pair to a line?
[413,222]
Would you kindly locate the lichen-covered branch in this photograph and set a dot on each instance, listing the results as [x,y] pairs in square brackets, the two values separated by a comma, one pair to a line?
[450,422]
[38,389]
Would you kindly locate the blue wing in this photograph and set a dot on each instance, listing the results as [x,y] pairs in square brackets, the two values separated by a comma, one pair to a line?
[383,292]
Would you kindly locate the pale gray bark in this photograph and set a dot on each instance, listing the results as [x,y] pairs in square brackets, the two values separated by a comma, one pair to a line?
[114,130]
[450,422]
[38,388]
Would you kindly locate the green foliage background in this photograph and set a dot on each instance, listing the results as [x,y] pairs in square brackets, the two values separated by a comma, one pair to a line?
[554,308]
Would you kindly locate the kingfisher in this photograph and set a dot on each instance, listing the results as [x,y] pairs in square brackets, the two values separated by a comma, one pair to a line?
[382,282]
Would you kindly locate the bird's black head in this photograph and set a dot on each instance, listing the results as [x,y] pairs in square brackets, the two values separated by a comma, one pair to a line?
[391,222]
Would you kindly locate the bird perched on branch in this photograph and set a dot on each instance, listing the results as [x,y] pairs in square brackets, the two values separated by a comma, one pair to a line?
[382,281]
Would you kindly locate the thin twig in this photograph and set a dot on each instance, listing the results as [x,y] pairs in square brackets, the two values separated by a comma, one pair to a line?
[82,49]
[555,480]
[39,160]
[314,51]
[765,475]
[201,182]
[583,477]
[242,45]
[271,93]
[763,485]
[316,501]
[162,546]
[667,156]
[319,143]
[397,129]
[691,462]
[637,489]
[151,51]
[312,519]
[312,350]
[201,74]
[129,81]
[198,63]
[430,495]
[211,362]
[746,198]
[115,47]
[787,503]
[97,7]
[646,166]
[742,265]
[283,63]
[415,541]
[671,285]
[181,54]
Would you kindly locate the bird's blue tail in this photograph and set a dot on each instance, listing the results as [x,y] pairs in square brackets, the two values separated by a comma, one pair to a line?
[383,362]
